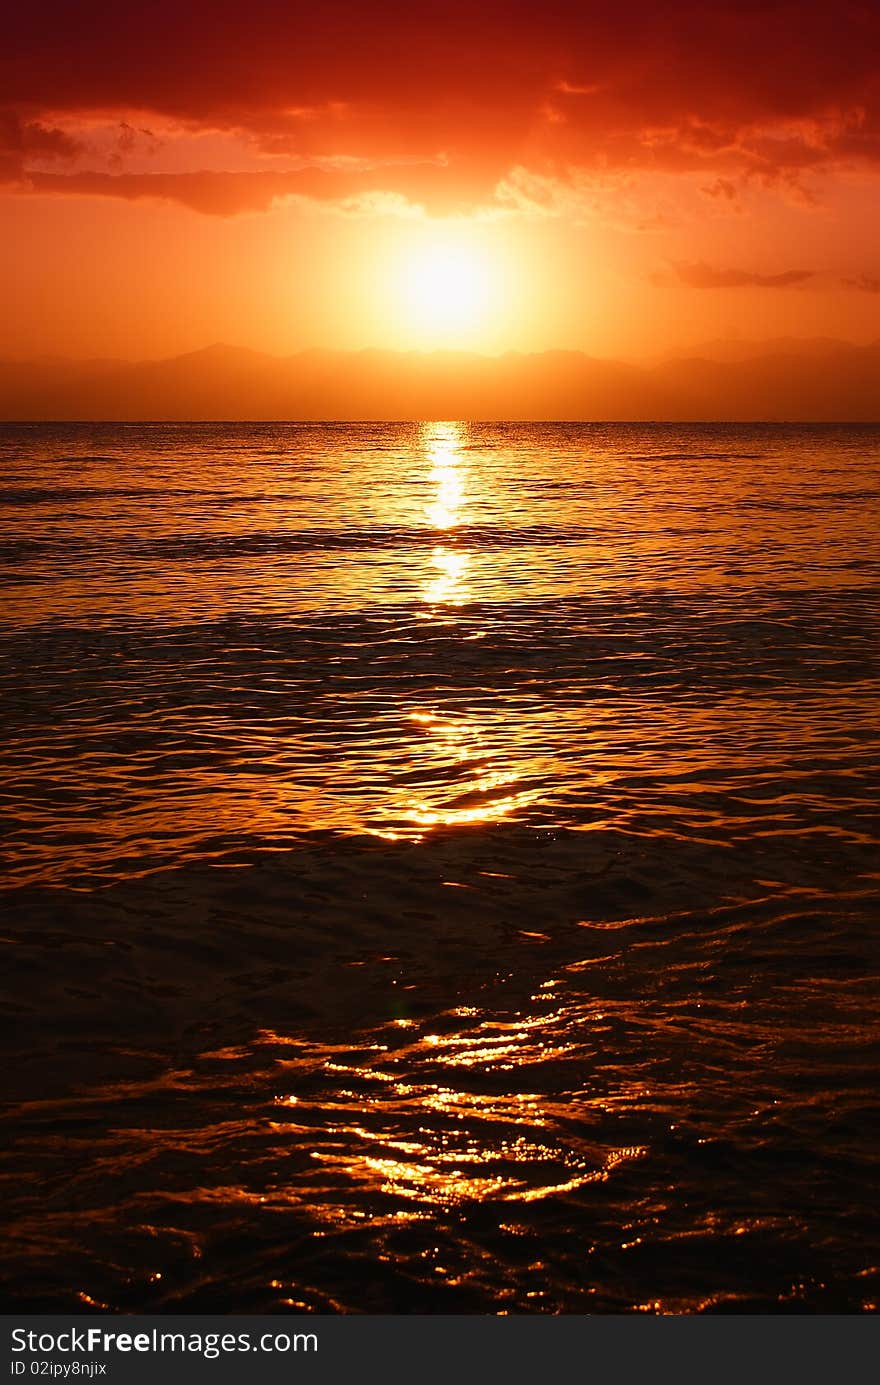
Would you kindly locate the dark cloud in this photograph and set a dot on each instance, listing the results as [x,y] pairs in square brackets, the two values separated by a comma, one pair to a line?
[703,276]
[22,139]
[228,194]
[761,89]
[866,283]
[722,188]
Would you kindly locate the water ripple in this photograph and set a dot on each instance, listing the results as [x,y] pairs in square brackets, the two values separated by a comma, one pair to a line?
[441,867]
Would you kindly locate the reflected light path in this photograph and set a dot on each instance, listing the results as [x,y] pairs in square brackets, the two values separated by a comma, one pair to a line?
[460,781]
[442,444]
[463,1145]
[447,588]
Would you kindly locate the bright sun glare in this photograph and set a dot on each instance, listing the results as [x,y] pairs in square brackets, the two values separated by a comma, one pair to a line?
[447,287]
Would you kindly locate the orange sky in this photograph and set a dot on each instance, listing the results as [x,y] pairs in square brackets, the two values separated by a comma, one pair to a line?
[620,178]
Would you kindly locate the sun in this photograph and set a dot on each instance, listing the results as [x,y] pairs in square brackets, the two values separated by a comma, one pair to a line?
[447,287]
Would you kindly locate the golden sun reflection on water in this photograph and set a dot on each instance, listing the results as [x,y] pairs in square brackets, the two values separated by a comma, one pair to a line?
[461,1146]
[442,444]
[456,753]
[454,750]
[447,588]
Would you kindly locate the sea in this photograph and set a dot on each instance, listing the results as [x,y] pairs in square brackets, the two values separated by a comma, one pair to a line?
[440,868]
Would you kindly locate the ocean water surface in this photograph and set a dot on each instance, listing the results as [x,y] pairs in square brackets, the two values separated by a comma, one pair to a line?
[440,867]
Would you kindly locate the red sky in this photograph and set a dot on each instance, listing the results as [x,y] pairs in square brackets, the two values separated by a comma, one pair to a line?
[625,177]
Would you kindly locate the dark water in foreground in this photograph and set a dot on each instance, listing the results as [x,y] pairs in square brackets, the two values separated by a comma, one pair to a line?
[441,867]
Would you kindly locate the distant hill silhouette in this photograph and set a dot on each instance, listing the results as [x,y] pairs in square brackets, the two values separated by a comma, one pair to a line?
[784,379]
